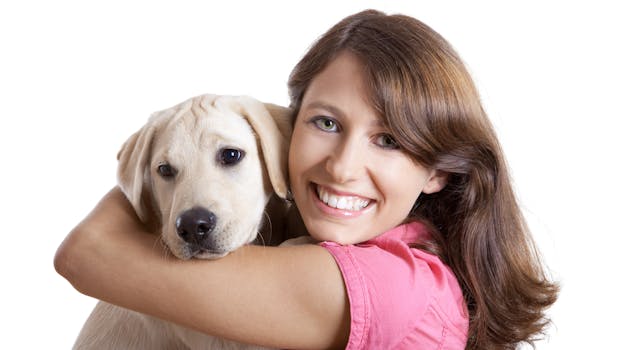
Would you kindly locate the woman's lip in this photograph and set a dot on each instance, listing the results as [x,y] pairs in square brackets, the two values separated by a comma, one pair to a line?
[339,193]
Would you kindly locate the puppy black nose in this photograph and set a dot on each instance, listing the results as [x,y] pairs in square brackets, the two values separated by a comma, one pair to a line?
[194,225]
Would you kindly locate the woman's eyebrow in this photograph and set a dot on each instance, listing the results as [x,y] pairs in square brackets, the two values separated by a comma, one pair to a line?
[379,122]
[326,106]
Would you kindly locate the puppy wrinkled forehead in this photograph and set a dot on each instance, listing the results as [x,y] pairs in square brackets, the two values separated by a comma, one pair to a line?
[226,124]
[207,123]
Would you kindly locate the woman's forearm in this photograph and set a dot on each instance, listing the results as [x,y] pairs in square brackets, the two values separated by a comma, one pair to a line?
[259,295]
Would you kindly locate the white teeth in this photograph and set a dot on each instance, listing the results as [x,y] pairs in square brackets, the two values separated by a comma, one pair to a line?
[333,201]
[341,202]
[324,196]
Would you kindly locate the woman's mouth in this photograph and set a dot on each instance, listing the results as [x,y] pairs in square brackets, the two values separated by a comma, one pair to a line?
[350,203]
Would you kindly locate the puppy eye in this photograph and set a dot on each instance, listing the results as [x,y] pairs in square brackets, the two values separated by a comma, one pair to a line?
[166,171]
[230,156]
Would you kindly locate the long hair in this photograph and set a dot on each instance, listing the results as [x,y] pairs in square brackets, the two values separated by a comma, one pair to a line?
[418,83]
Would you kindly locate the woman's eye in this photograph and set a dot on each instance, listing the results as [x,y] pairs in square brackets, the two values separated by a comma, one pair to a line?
[387,141]
[325,124]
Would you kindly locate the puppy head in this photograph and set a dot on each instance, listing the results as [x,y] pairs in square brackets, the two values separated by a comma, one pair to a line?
[197,171]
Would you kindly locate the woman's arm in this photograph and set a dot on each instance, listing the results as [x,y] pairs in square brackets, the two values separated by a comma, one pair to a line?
[287,297]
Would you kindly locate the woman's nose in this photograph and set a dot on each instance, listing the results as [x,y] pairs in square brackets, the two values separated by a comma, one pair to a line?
[346,162]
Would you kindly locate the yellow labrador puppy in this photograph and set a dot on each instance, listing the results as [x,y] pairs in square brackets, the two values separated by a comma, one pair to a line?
[201,173]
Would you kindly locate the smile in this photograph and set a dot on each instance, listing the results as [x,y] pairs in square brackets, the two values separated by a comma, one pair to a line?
[349,203]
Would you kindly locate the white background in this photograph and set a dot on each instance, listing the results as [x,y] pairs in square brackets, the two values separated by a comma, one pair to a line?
[77,78]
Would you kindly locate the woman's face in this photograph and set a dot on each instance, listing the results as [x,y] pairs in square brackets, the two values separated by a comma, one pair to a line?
[350,180]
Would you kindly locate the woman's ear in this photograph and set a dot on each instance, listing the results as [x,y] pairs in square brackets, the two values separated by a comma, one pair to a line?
[436,182]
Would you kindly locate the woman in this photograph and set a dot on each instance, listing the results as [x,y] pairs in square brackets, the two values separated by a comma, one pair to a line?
[396,170]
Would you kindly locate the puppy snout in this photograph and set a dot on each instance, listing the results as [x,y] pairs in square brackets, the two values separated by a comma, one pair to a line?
[194,225]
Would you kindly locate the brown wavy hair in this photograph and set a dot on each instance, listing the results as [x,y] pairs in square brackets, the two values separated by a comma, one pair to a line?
[418,83]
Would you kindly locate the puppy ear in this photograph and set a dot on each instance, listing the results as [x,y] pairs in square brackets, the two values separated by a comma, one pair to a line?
[133,170]
[283,117]
[273,127]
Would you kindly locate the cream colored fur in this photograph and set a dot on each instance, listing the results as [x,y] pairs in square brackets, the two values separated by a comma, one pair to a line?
[188,137]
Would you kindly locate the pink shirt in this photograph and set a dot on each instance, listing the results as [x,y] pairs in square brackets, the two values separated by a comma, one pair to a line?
[400,297]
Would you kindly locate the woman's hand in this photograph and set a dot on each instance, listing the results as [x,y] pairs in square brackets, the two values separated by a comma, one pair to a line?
[110,233]
[285,297]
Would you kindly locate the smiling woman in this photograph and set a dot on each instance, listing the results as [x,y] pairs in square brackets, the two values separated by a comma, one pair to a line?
[396,72]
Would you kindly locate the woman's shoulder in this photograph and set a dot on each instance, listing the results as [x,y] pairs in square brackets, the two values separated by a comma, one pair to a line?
[396,291]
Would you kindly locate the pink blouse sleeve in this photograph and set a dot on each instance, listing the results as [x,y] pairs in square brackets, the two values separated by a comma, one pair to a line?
[400,298]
